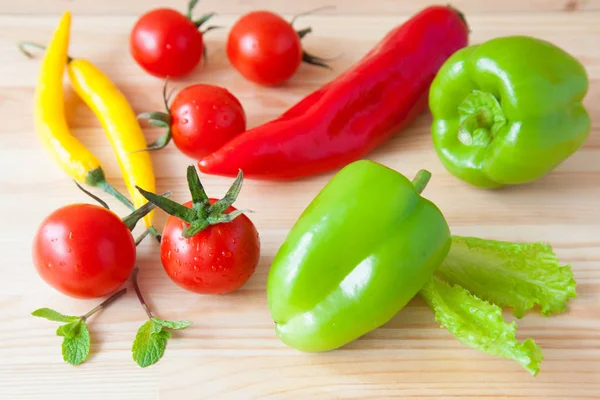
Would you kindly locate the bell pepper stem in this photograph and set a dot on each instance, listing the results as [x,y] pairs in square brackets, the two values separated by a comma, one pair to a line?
[420,180]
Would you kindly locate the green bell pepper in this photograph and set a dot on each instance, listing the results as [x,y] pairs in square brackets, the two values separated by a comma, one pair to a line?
[508,111]
[358,254]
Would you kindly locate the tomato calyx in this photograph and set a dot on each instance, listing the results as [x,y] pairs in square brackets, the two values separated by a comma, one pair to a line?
[307,57]
[132,219]
[202,214]
[160,119]
[200,21]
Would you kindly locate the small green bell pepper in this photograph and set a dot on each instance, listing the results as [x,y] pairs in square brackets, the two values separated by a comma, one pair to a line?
[361,250]
[508,111]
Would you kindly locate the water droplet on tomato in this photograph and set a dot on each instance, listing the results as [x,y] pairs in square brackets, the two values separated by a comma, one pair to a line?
[195,268]
[178,261]
[49,265]
[176,249]
[71,236]
[197,246]
[197,279]
[213,268]
[184,121]
[181,238]
[168,46]
[169,255]
[69,250]
[234,240]
[77,267]
[227,254]
[54,239]
[61,264]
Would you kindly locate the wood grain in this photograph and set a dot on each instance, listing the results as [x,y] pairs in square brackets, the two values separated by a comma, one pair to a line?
[231,351]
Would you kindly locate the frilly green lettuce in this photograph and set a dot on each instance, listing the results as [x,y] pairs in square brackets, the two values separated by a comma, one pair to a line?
[517,275]
[479,324]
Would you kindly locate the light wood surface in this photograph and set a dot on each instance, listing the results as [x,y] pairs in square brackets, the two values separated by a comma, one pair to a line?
[231,351]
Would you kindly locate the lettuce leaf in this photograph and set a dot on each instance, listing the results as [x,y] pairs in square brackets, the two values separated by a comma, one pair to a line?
[479,324]
[517,275]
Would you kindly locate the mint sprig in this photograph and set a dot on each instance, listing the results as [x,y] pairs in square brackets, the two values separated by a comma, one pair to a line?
[151,339]
[77,342]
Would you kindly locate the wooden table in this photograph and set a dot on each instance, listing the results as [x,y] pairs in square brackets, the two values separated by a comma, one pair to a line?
[231,351]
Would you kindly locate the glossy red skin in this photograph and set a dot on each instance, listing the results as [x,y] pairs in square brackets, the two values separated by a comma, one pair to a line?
[203,118]
[264,48]
[218,260]
[353,114]
[166,43]
[84,251]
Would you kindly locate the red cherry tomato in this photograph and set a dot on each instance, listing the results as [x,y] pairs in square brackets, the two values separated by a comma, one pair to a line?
[264,48]
[219,259]
[166,43]
[84,251]
[203,118]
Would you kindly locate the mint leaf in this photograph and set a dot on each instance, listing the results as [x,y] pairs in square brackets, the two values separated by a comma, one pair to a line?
[479,324]
[176,325]
[517,275]
[150,343]
[69,331]
[76,346]
[52,315]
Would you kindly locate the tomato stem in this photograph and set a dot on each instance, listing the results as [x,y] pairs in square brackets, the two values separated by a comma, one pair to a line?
[314,10]
[93,196]
[136,287]
[104,304]
[141,237]
[132,219]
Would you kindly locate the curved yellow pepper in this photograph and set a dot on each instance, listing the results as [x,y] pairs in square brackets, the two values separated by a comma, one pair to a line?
[121,125]
[50,121]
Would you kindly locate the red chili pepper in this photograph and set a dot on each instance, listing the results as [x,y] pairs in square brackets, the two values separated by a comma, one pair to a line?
[353,114]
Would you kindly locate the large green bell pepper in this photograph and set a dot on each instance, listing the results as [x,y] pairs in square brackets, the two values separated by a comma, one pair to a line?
[508,111]
[361,250]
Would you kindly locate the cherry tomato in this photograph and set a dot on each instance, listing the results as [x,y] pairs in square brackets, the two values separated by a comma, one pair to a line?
[166,43]
[219,259]
[203,118]
[264,48]
[84,251]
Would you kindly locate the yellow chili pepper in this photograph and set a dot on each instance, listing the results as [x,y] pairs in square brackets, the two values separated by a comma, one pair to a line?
[121,125]
[50,121]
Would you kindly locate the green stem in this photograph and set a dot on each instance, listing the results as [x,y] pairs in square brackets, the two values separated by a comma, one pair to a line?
[482,118]
[97,179]
[136,287]
[141,237]
[421,180]
[132,219]
[22,46]
[104,304]
[304,32]
[93,196]
[314,10]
